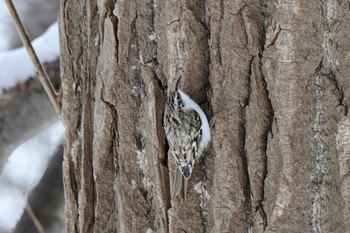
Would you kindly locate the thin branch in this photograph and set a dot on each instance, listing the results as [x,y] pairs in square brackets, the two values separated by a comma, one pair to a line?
[44,79]
[35,220]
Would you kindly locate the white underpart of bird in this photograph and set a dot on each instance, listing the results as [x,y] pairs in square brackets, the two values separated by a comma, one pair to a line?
[206,137]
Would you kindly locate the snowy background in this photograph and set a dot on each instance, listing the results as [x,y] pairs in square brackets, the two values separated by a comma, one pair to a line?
[47,50]
[28,162]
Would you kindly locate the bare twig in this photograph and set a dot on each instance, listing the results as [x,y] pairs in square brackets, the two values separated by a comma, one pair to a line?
[44,79]
[35,220]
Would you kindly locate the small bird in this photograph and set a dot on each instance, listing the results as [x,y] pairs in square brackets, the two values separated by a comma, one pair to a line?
[188,133]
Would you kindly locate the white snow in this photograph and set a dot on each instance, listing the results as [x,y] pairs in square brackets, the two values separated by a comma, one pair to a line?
[36,16]
[28,162]
[23,171]
[25,160]
[16,66]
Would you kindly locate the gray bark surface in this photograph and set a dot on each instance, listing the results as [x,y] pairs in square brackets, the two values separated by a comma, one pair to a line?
[273,74]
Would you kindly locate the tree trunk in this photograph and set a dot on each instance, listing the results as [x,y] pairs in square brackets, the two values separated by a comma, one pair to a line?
[273,74]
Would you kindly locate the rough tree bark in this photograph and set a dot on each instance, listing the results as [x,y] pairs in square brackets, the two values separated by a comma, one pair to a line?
[273,73]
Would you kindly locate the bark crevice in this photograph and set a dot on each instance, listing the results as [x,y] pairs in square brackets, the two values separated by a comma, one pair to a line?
[246,179]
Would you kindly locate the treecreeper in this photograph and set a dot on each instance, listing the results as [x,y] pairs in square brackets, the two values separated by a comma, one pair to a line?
[188,133]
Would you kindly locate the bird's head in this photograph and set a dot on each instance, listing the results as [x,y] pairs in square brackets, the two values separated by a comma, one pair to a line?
[175,97]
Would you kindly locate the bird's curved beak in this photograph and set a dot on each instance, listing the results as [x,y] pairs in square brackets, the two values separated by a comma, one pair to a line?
[177,83]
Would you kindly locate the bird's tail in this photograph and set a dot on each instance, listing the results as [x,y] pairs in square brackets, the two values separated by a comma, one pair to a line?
[179,185]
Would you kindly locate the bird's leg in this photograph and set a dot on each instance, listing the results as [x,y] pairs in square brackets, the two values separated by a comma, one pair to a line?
[214,117]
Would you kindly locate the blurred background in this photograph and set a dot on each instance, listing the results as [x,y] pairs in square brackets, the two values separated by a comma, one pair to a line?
[31,190]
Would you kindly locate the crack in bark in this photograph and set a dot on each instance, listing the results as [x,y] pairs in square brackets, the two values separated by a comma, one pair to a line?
[161,139]
[338,92]
[268,129]
[115,137]
[107,11]
[151,65]
[221,18]
[272,37]
[83,169]
[270,110]
[114,111]
[87,164]
[159,82]
[114,19]
[256,56]
[247,190]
